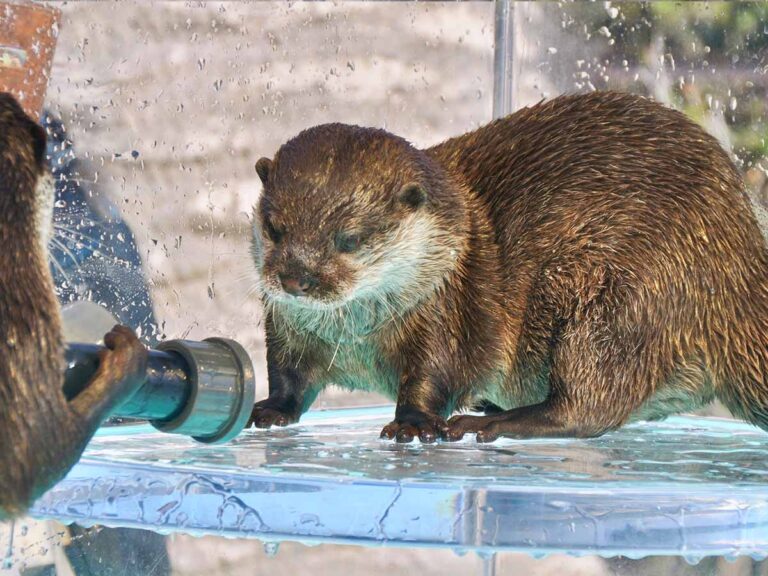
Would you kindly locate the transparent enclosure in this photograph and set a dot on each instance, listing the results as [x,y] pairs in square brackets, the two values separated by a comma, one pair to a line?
[707,59]
[157,112]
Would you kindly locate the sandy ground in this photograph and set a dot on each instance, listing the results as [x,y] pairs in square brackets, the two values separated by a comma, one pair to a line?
[243,558]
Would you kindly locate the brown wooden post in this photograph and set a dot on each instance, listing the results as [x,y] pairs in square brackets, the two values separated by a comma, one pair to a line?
[28,33]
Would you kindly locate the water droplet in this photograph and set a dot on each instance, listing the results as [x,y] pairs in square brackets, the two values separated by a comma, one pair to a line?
[603,31]
[486,554]
[692,560]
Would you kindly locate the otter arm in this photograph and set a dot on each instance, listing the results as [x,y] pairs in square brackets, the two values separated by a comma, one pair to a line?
[290,393]
[420,405]
[289,396]
[46,460]
[122,370]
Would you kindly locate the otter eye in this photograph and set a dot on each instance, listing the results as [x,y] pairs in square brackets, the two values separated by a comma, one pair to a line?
[348,242]
[275,234]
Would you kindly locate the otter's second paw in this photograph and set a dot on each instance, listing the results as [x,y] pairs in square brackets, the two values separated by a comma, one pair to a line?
[123,363]
[410,423]
[465,423]
[267,413]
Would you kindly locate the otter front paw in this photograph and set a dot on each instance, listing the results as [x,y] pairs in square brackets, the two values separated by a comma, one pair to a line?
[123,362]
[268,413]
[410,423]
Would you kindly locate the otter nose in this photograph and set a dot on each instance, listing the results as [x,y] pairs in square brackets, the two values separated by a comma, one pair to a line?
[298,286]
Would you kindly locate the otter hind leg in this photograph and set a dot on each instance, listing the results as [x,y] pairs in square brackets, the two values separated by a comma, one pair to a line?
[604,366]
[744,391]
[487,407]
[738,352]
[543,420]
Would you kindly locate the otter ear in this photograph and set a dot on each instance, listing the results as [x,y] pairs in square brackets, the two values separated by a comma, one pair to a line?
[412,195]
[263,166]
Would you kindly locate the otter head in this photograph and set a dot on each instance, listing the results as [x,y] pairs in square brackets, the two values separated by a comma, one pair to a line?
[349,214]
[23,169]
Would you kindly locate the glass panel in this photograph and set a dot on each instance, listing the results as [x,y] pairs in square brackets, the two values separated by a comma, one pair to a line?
[156,114]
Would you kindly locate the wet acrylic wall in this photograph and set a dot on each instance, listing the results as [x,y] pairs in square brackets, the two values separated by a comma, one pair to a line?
[168,106]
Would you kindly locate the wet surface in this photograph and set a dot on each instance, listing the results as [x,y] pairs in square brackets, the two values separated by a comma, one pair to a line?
[691,486]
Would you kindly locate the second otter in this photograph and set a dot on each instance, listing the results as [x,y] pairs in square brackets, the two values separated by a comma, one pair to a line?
[42,432]
[580,263]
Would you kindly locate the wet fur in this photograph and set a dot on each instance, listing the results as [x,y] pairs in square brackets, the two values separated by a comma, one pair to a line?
[41,434]
[597,261]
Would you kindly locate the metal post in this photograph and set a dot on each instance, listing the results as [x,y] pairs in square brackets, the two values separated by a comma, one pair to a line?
[489,564]
[503,59]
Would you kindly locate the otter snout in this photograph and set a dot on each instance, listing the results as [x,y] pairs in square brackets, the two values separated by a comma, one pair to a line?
[298,285]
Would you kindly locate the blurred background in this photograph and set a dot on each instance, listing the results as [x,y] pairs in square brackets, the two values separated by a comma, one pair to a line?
[167,106]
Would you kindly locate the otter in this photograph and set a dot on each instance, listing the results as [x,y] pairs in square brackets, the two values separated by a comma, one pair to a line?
[581,263]
[42,432]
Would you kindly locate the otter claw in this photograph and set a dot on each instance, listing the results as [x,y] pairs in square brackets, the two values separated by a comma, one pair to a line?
[388,431]
[263,417]
[405,428]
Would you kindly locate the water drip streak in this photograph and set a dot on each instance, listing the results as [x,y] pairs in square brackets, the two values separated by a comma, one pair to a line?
[380,524]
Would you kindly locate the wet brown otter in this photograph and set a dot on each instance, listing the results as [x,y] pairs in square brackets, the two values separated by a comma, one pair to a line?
[580,263]
[42,434]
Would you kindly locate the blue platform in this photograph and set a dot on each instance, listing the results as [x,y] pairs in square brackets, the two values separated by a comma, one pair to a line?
[687,486]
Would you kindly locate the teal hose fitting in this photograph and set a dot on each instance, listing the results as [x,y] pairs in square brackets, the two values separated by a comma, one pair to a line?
[205,389]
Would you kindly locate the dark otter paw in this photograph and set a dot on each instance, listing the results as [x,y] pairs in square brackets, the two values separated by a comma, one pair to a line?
[267,413]
[410,424]
[123,361]
[464,423]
